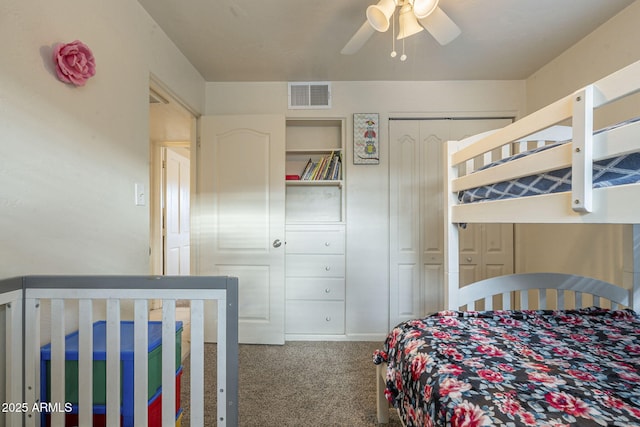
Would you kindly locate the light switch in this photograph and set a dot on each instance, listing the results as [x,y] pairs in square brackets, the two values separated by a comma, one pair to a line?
[141,196]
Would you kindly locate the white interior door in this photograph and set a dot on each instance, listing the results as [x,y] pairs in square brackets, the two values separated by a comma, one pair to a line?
[177,242]
[241,192]
[416,212]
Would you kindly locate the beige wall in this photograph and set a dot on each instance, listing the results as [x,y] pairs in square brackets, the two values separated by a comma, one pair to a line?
[592,250]
[609,48]
[367,206]
[69,157]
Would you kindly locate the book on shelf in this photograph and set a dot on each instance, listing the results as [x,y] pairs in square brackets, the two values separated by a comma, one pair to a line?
[337,171]
[306,172]
[316,171]
[335,167]
[328,168]
[328,174]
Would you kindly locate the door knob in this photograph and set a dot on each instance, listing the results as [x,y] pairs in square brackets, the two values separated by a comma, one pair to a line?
[277,243]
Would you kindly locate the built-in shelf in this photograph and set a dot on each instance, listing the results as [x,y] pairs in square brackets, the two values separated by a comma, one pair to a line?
[308,200]
[315,182]
[313,151]
[315,229]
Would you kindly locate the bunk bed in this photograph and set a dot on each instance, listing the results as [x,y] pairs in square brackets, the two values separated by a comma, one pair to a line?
[541,348]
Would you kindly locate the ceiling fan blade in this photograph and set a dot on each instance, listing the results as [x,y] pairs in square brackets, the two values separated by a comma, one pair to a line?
[358,40]
[441,27]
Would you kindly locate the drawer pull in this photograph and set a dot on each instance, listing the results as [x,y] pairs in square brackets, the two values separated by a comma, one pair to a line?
[327,291]
[327,243]
[327,268]
[328,318]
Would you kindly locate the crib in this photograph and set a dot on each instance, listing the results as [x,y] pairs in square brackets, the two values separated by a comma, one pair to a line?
[77,302]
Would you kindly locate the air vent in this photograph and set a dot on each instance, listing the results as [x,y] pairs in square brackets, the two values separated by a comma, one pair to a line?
[309,95]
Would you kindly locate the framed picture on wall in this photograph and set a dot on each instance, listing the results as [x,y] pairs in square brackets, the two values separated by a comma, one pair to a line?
[365,139]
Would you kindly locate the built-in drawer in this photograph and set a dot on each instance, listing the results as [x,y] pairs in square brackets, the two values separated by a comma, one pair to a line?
[315,288]
[314,265]
[317,241]
[314,317]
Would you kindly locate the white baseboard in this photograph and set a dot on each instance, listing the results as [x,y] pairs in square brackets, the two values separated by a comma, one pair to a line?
[350,337]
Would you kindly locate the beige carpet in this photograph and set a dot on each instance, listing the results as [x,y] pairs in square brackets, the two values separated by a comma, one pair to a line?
[298,384]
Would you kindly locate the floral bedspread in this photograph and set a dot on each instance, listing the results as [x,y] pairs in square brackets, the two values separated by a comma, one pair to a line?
[516,368]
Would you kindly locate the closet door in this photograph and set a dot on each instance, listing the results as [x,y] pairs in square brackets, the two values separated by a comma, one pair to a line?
[416,255]
[486,250]
[416,212]
[241,218]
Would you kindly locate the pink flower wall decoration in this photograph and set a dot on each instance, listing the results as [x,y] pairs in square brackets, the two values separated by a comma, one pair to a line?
[74,62]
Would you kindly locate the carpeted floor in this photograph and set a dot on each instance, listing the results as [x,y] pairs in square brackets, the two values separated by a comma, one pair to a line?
[298,384]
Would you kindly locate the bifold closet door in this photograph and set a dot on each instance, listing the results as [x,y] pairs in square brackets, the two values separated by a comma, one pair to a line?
[416,215]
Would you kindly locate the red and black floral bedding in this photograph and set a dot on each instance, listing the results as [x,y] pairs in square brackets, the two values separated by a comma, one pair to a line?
[516,368]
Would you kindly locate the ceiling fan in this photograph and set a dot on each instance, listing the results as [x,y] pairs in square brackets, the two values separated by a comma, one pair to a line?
[414,16]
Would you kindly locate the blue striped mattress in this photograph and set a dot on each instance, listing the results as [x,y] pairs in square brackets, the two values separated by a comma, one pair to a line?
[609,172]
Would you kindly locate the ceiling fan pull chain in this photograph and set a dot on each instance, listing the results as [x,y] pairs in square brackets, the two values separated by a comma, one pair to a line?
[393,38]
[403,57]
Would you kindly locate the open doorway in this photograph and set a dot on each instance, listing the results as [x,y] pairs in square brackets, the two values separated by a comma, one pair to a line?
[172,145]
[172,139]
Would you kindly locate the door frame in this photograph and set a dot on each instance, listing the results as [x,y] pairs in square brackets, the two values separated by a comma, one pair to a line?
[155,188]
[156,196]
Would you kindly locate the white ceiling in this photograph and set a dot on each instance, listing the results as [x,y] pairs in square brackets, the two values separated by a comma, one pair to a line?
[300,40]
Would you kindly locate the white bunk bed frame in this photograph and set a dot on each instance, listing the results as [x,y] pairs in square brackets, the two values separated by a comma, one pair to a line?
[583,204]
[610,205]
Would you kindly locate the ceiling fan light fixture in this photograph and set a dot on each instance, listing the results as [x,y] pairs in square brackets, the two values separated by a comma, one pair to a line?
[424,8]
[418,15]
[408,23]
[378,15]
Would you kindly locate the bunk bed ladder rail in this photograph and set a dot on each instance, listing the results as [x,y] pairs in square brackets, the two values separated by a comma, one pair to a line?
[582,149]
[622,83]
